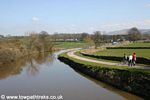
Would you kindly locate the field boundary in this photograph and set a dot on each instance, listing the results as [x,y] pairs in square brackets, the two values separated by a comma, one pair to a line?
[127,47]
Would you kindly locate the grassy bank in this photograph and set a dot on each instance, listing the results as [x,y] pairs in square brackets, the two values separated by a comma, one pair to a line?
[132,80]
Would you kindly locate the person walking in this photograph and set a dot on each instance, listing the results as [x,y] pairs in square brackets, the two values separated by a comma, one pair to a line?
[134,58]
[125,58]
[130,60]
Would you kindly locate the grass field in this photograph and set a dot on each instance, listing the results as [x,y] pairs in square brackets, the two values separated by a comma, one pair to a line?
[138,44]
[67,45]
[120,52]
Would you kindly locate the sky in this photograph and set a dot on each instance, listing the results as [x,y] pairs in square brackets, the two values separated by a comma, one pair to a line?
[19,17]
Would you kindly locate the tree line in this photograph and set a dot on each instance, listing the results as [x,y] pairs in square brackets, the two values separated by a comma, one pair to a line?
[98,38]
[44,41]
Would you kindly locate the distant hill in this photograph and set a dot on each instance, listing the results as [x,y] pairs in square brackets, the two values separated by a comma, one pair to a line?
[145,31]
[125,31]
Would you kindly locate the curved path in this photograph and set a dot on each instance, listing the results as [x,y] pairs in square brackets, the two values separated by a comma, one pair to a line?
[71,54]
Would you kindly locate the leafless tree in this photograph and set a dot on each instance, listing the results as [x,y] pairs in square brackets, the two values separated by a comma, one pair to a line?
[134,34]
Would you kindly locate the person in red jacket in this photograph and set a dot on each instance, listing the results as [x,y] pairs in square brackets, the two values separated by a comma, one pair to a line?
[134,58]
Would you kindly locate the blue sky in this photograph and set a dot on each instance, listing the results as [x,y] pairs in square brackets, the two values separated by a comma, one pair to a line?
[18,17]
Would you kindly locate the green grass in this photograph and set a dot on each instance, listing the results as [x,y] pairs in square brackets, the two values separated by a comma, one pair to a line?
[68,45]
[120,52]
[95,65]
[138,44]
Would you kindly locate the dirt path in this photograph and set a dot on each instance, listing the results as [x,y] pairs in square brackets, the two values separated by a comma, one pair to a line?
[71,54]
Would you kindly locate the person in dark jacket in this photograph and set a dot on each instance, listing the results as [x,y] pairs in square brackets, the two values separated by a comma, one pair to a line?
[125,58]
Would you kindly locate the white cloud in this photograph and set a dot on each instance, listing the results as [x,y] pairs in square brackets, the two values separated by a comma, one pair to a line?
[110,25]
[71,28]
[35,19]
[147,5]
[92,28]
[147,21]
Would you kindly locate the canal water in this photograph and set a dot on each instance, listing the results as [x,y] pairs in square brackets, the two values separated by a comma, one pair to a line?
[44,74]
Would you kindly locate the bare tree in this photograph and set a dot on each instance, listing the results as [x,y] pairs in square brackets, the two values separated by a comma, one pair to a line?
[84,35]
[40,42]
[97,38]
[88,40]
[134,34]
[32,38]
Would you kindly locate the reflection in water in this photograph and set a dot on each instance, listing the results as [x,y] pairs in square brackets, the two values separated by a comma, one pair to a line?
[110,88]
[31,62]
[35,62]
[33,67]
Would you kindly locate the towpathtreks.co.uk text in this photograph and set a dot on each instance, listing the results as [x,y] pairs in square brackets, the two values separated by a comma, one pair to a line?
[31,97]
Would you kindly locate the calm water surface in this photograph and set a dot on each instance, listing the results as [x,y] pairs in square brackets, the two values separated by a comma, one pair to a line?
[45,75]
